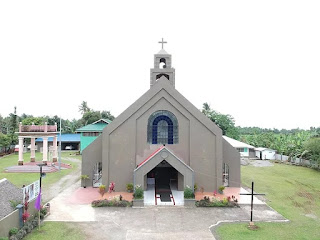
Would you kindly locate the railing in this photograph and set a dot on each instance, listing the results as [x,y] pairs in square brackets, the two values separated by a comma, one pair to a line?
[38,128]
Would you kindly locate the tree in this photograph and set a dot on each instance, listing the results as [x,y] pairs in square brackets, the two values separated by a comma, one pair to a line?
[90,117]
[5,141]
[313,148]
[33,120]
[83,108]
[224,122]
[107,115]
[13,126]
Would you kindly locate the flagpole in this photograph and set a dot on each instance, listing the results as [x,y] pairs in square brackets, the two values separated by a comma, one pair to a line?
[39,220]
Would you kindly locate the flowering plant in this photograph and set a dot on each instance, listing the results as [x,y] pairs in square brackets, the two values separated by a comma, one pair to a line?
[25,216]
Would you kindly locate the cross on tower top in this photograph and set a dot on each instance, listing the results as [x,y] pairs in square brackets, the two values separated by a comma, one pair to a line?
[162,42]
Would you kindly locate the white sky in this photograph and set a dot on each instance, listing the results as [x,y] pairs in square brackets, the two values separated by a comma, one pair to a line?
[258,61]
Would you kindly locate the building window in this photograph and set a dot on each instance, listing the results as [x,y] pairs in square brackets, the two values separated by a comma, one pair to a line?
[240,149]
[225,175]
[91,134]
[163,128]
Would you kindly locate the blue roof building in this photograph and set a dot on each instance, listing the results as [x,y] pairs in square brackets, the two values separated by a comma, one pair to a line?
[70,141]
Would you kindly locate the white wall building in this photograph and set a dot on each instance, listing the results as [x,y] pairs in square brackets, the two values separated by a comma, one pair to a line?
[265,153]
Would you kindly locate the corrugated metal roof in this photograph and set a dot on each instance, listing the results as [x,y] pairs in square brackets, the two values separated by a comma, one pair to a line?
[97,126]
[72,137]
[237,144]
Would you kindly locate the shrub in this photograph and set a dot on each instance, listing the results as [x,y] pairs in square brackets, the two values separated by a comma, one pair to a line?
[3,238]
[221,188]
[130,187]
[13,231]
[138,193]
[215,203]
[188,193]
[14,203]
[110,203]
[84,177]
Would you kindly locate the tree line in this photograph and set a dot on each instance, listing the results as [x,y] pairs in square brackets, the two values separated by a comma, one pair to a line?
[293,143]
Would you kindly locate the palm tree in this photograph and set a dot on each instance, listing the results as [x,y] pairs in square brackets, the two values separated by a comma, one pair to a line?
[83,108]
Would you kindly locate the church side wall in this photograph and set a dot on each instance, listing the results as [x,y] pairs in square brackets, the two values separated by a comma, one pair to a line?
[231,156]
[121,155]
[90,156]
[203,155]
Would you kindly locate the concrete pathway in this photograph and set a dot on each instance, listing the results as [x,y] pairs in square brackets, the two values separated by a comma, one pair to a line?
[154,222]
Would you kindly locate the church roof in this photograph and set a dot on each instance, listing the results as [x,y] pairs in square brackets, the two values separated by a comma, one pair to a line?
[163,85]
[162,51]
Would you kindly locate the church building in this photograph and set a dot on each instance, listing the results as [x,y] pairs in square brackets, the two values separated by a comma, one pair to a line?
[162,140]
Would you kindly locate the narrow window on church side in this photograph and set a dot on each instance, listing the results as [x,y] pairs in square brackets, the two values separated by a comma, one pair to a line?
[162,128]
[225,175]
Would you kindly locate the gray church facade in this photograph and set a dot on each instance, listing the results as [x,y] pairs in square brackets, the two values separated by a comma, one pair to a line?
[162,137]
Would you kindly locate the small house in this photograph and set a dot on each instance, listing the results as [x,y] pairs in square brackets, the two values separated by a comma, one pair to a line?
[265,153]
[90,132]
[244,149]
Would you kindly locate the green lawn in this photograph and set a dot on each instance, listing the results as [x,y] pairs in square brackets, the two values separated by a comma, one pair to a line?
[19,179]
[294,192]
[56,230]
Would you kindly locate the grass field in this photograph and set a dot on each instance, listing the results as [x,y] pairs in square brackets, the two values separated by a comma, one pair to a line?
[294,192]
[19,179]
[56,230]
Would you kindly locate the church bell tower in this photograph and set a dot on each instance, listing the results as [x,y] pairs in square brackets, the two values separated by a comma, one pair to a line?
[162,67]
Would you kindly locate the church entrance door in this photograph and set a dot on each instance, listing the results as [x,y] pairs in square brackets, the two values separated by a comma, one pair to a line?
[165,180]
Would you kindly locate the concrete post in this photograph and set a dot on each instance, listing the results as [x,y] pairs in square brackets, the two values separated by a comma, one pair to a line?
[20,161]
[33,150]
[20,207]
[45,150]
[55,148]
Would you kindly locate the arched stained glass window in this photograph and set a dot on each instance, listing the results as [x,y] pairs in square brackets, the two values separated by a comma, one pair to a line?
[163,128]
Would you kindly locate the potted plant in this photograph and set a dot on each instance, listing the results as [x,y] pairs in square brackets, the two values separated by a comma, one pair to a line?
[221,188]
[102,190]
[84,178]
[189,198]
[130,187]
[138,196]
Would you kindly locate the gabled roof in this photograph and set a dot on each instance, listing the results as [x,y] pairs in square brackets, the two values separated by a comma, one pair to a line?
[163,84]
[157,152]
[263,149]
[102,120]
[96,126]
[8,192]
[151,155]
[72,137]
[237,144]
